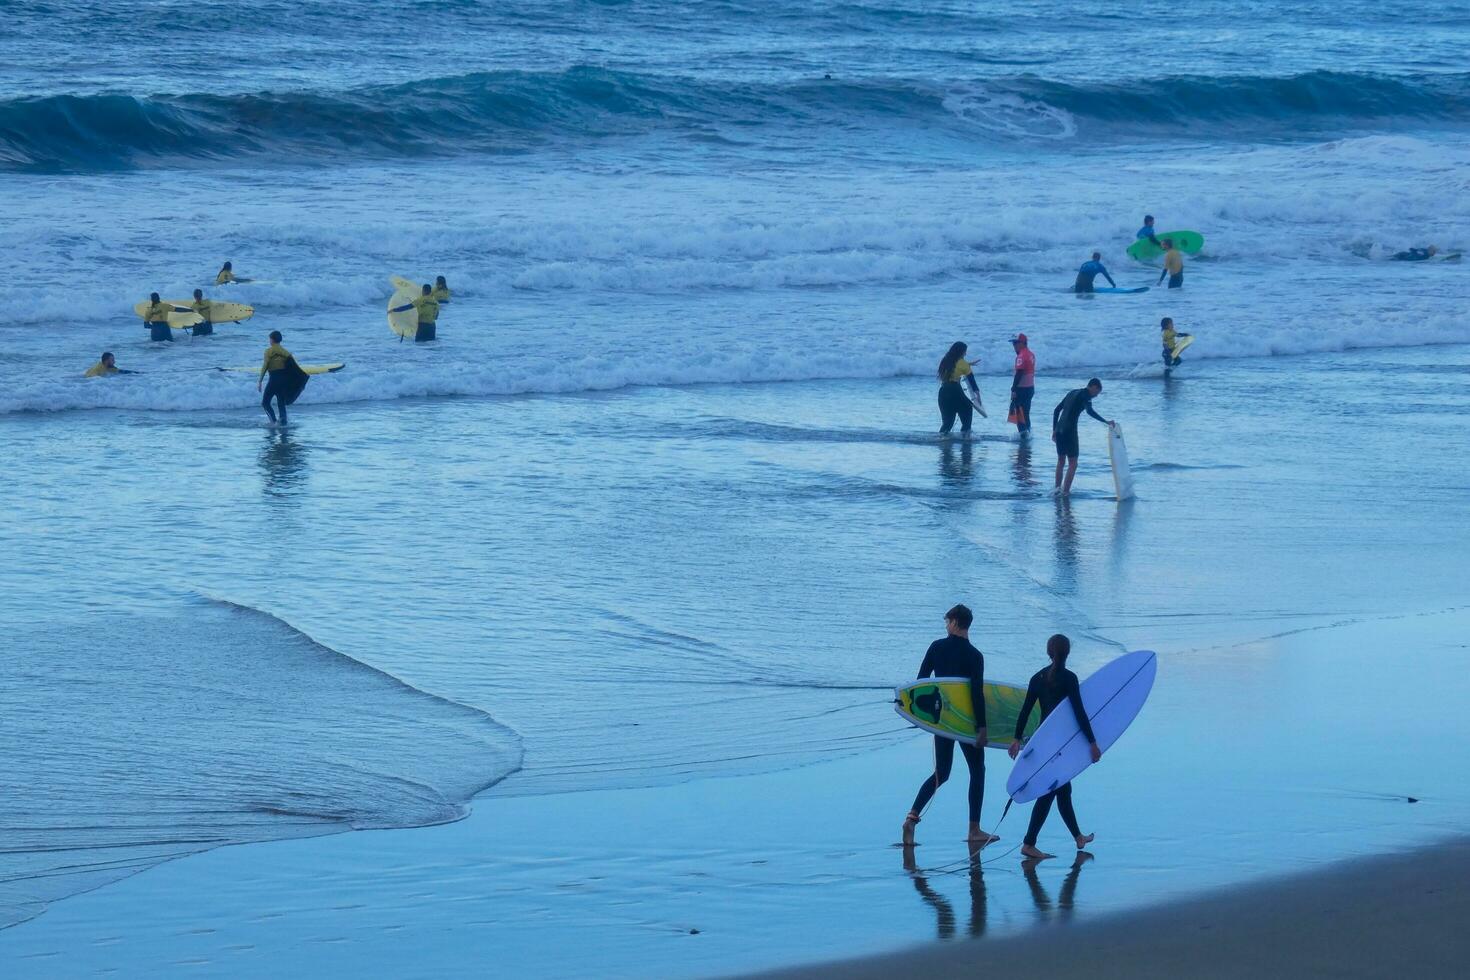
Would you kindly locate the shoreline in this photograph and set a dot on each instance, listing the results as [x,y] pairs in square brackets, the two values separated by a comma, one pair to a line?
[1364,917]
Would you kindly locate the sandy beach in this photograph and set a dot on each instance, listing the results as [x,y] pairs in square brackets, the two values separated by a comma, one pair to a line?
[1383,916]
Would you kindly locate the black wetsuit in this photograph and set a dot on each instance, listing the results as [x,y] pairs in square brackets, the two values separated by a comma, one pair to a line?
[1050,688]
[953,656]
[1064,420]
[1412,255]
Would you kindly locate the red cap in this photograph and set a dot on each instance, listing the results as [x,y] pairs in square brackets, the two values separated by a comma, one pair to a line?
[1019,338]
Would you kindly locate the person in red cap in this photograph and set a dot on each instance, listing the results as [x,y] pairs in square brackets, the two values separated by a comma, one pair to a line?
[1023,385]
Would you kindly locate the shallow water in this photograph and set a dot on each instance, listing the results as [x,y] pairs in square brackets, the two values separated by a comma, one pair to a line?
[664,502]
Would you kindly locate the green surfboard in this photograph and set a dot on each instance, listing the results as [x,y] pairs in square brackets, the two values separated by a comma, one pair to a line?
[1188,242]
[942,705]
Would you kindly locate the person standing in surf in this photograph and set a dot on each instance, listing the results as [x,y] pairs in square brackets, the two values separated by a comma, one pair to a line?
[954,369]
[1023,385]
[1064,430]
[1049,687]
[277,363]
[441,292]
[202,307]
[1173,265]
[428,311]
[954,656]
[1089,271]
[1170,340]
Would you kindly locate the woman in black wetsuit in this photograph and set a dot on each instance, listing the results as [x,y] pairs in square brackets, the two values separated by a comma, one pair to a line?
[1051,686]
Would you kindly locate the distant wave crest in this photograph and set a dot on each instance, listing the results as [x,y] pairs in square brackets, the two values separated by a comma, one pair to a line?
[517,112]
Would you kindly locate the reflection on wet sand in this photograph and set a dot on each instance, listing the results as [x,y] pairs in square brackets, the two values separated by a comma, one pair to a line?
[947,923]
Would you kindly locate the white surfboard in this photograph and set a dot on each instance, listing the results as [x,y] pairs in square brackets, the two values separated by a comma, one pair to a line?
[1118,455]
[1058,752]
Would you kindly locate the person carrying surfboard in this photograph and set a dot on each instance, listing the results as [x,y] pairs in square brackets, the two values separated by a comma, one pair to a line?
[287,378]
[155,318]
[1173,265]
[1064,430]
[1023,385]
[201,306]
[953,368]
[954,656]
[1049,687]
[428,311]
[1171,342]
[1089,271]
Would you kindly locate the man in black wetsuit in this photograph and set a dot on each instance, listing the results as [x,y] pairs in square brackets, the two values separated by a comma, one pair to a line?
[953,656]
[1050,686]
[1415,254]
[1064,430]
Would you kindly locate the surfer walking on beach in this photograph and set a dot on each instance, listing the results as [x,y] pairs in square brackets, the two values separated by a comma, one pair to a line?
[953,369]
[1023,385]
[954,656]
[1064,430]
[1089,271]
[1049,687]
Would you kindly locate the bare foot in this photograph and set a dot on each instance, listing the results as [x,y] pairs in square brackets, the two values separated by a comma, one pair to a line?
[909,823]
[981,838]
[1027,851]
[1084,840]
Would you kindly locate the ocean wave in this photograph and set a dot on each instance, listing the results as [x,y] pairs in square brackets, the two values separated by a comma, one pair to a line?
[510,112]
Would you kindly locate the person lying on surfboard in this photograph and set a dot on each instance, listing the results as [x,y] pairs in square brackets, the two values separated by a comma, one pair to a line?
[105,366]
[953,656]
[1049,687]
[1171,340]
[1091,270]
[1415,254]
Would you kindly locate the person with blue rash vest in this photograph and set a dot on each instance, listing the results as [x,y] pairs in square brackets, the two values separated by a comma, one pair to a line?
[1147,231]
[1090,270]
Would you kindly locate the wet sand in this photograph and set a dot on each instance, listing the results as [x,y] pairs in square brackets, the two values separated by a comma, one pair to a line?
[1385,916]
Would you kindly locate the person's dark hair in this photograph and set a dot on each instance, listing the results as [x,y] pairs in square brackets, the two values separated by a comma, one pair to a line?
[1094,382]
[947,363]
[961,616]
[275,336]
[105,355]
[1147,218]
[439,281]
[1057,649]
[1167,321]
[153,297]
[428,289]
[198,294]
[227,265]
[1097,256]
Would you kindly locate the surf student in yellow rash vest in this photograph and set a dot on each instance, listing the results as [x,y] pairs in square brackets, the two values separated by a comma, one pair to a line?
[441,292]
[428,310]
[1170,339]
[106,366]
[226,274]
[953,368]
[1173,265]
[274,364]
[202,307]
[155,318]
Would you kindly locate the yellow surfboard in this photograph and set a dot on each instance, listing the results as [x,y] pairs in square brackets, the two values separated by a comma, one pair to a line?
[178,318]
[219,312]
[405,323]
[943,705]
[1182,343]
